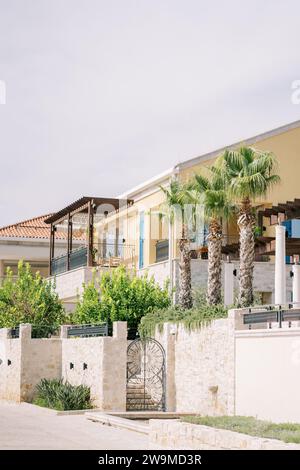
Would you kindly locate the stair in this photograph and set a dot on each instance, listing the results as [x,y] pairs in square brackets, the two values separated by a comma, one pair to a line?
[139,399]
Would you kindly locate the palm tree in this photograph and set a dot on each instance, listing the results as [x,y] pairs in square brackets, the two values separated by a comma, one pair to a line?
[177,196]
[212,194]
[250,174]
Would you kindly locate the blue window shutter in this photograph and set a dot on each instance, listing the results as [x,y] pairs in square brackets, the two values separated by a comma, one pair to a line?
[141,242]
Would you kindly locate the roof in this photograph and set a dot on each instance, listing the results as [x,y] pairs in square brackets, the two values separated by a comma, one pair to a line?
[31,228]
[154,181]
[80,203]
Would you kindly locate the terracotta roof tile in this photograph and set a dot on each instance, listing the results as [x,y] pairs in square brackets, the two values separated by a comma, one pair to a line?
[31,228]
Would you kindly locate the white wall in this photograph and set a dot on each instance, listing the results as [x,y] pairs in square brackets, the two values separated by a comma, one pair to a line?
[268,374]
[264,275]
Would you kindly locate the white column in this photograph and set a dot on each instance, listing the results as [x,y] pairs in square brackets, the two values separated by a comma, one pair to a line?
[296,285]
[228,284]
[280,271]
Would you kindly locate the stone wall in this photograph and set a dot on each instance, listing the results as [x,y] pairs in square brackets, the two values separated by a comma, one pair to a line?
[10,367]
[174,434]
[99,363]
[200,367]
[25,361]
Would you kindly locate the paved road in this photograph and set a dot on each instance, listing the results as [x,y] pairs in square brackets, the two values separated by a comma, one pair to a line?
[26,427]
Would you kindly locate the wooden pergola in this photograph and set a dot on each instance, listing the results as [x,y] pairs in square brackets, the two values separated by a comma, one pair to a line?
[283,211]
[265,245]
[86,205]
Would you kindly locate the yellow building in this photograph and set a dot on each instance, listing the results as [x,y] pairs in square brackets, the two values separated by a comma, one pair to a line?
[135,231]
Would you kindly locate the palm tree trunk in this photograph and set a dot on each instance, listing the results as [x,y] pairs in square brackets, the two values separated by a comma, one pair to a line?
[246,225]
[185,279]
[214,283]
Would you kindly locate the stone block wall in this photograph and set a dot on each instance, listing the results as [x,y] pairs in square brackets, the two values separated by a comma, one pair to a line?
[25,361]
[10,367]
[174,434]
[200,367]
[99,363]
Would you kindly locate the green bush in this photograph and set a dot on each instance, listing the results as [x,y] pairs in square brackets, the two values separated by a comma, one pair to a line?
[29,299]
[62,395]
[120,295]
[201,314]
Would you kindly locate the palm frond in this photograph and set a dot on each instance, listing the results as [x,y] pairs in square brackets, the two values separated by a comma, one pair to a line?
[248,171]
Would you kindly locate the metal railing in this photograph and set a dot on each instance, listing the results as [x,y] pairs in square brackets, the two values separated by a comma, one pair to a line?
[14,333]
[88,331]
[104,254]
[110,254]
[161,250]
[272,314]
[77,259]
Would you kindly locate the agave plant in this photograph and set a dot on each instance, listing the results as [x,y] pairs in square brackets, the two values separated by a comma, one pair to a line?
[61,395]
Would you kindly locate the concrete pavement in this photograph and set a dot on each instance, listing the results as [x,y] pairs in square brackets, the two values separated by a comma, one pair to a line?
[23,426]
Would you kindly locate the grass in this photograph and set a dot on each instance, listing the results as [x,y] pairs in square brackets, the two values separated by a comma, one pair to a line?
[286,432]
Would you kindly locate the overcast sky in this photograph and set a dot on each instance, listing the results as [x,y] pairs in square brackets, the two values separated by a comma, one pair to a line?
[103,94]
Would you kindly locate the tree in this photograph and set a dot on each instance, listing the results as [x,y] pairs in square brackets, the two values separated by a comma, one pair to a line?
[249,174]
[120,295]
[211,192]
[29,299]
[177,198]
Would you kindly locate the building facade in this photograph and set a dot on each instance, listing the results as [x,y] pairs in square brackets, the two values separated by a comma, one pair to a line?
[133,229]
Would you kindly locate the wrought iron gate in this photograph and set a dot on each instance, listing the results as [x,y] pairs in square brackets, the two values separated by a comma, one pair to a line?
[145,375]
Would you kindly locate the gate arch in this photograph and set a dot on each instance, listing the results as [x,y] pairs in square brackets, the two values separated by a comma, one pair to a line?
[146,376]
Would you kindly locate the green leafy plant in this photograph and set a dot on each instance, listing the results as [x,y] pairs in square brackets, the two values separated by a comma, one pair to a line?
[30,299]
[62,395]
[120,295]
[200,315]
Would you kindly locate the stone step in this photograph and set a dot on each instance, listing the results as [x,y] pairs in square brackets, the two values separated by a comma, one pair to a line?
[141,407]
[140,400]
[135,385]
[138,394]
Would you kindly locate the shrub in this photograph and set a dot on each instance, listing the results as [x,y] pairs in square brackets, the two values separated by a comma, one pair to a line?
[201,314]
[29,299]
[120,295]
[62,395]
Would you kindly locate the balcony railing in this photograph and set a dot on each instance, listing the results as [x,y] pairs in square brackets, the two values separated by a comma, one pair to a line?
[77,259]
[113,254]
[162,250]
[104,255]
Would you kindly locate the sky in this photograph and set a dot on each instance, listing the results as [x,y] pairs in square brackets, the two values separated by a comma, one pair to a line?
[101,95]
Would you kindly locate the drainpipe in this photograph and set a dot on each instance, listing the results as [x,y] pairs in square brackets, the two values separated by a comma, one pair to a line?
[280,273]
